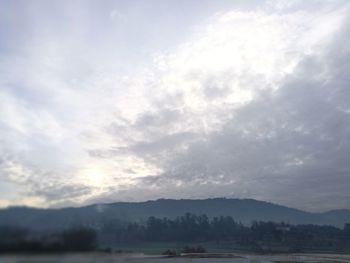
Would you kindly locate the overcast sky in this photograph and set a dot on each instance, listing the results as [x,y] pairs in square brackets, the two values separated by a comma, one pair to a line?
[104,101]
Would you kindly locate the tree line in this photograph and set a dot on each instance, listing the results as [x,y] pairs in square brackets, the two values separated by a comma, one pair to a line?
[191,228]
[186,229]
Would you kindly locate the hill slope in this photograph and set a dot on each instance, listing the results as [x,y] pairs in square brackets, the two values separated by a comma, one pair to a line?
[244,210]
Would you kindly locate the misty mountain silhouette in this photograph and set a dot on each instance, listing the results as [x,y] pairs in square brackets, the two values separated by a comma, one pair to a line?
[243,210]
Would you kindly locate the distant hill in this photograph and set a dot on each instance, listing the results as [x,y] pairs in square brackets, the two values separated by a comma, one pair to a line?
[244,210]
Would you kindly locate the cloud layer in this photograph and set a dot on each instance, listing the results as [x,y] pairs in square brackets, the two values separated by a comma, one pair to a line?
[107,102]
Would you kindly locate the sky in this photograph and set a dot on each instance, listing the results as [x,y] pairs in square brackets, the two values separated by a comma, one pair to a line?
[105,101]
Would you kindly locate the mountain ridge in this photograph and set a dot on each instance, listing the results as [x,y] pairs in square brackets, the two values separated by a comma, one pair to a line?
[243,210]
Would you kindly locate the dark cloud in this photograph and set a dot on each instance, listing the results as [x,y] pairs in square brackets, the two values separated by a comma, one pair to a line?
[163,144]
[158,119]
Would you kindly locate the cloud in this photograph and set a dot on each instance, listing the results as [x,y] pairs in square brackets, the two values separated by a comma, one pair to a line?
[251,102]
[279,145]
[287,145]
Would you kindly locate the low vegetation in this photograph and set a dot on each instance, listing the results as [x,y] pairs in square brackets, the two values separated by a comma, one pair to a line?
[14,239]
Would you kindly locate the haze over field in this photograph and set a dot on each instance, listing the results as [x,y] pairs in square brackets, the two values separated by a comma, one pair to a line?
[104,101]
